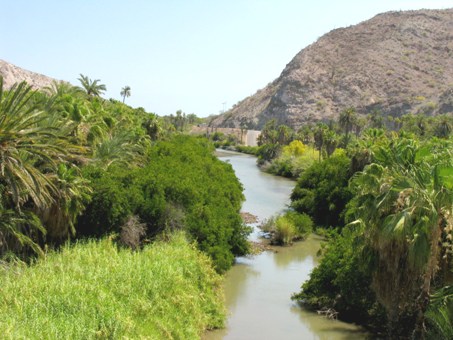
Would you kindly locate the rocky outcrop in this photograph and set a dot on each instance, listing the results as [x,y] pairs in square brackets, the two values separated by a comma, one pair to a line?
[396,62]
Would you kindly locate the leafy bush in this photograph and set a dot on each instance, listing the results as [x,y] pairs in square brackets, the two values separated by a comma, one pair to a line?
[95,290]
[184,173]
[293,160]
[184,186]
[342,282]
[322,190]
[302,222]
[114,199]
[251,150]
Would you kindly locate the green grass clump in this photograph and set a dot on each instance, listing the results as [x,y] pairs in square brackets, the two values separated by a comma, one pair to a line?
[96,290]
[289,227]
[285,230]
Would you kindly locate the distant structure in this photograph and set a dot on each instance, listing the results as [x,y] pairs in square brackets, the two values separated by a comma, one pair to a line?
[251,138]
[246,137]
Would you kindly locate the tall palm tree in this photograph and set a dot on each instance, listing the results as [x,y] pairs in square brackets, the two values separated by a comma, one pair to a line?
[125,92]
[320,136]
[285,134]
[404,200]
[331,142]
[92,87]
[347,121]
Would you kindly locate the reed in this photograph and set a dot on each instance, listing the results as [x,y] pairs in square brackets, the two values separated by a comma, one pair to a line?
[95,289]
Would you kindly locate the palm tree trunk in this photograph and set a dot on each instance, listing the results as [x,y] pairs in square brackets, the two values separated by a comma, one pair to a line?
[423,298]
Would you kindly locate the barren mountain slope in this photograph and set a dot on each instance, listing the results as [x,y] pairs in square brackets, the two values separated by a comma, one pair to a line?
[13,74]
[396,62]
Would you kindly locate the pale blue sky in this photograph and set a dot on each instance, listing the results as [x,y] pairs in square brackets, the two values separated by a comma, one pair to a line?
[192,55]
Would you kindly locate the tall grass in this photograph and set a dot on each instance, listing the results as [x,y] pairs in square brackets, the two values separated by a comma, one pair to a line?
[96,290]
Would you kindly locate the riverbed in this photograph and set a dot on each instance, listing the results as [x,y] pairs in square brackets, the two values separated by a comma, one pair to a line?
[258,288]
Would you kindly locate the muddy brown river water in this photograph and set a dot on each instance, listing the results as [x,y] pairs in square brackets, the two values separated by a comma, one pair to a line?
[258,288]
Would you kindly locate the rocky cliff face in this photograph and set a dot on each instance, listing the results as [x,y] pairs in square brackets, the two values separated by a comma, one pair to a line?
[13,74]
[396,62]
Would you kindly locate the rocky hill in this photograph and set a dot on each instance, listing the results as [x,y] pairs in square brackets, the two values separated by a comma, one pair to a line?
[396,62]
[13,74]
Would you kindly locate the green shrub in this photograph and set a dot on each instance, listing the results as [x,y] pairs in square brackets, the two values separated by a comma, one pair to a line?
[114,199]
[183,187]
[342,282]
[289,227]
[96,290]
[322,191]
[293,160]
[302,222]
[251,150]
[184,173]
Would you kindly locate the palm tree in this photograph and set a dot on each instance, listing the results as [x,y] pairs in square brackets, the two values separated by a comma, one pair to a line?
[73,193]
[31,145]
[376,120]
[331,142]
[26,142]
[319,137]
[153,127]
[362,153]
[120,148]
[444,126]
[404,200]
[285,134]
[347,120]
[16,229]
[125,92]
[92,87]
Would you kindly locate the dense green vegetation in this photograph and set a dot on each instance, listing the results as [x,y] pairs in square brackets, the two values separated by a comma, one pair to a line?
[75,166]
[94,290]
[342,282]
[184,187]
[397,248]
[322,190]
[383,188]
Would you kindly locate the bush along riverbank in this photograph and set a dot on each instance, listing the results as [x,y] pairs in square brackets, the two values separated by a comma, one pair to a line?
[95,289]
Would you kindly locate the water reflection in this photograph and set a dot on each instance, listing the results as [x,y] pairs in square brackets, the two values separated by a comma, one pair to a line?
[328,329]
[235,280]
[300,253]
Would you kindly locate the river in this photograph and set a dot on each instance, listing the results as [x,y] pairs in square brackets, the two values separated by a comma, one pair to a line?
[258,288]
